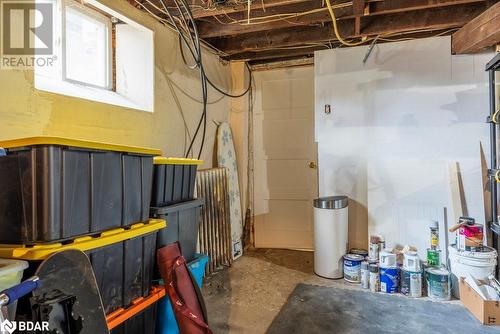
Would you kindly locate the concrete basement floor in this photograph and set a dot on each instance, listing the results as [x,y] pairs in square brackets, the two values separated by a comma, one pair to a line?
[246,297]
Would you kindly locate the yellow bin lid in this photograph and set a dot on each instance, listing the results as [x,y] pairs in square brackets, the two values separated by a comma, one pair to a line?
[176,161]
[43,251]
[59,141]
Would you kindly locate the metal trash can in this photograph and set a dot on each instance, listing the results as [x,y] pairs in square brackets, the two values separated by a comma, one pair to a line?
[330,235]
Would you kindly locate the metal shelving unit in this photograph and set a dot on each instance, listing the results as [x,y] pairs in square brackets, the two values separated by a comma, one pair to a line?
[492,67]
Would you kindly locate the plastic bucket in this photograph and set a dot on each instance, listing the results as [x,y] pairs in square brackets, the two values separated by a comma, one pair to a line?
[11,273]
[478,264]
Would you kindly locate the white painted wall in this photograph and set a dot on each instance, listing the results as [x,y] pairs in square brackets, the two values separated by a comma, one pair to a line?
[397,122]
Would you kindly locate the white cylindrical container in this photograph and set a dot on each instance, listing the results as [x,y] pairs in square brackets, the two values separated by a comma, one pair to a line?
[479,264]
[330,235]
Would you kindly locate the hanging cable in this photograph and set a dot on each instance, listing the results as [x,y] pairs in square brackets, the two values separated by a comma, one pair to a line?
[187,30]
[186,27]
[234,95]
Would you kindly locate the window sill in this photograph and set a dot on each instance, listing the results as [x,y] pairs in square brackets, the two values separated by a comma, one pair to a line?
[86,92]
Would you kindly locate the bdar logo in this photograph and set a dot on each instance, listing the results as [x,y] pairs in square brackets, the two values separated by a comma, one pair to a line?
[8,326]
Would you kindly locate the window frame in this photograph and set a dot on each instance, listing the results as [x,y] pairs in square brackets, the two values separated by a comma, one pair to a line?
[95,14]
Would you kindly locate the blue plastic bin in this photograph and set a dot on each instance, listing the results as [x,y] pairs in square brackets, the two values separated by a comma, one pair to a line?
[166,323]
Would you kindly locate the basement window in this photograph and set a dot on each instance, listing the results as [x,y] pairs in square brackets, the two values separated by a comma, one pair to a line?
[100,55]
[87,46]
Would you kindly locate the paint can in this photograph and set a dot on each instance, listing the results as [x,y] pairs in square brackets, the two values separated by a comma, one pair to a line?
[387,258]
[374,277]
[352,268]
[373,251]
[411,283]
[470,238]
[375,246]
[438,283]
[389,279]
[434,228]
[365,275]
[411,262]
[433,257]
[359,251]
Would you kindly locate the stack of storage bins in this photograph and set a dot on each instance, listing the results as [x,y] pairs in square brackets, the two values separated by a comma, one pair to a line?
[173,199]
[58,193]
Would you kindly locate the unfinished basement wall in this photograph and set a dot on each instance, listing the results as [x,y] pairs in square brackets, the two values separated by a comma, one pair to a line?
[398,123]
[25,111]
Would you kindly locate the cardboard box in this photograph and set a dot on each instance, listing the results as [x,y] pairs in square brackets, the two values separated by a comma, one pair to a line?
[486,311]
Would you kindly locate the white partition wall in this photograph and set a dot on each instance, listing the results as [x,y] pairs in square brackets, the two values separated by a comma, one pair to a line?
[396,125]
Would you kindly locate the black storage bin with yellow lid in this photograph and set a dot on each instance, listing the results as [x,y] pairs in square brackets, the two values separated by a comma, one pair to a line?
[183,223]
[139,317]
[173,180]
[54,189]
[142,323]
[124,271]
[123,260]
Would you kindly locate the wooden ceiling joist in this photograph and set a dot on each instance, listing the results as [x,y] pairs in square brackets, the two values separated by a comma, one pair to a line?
[296,28]
[211,27]
[270,54]
[266,55]
[478,34]
[388,25]
[200,8]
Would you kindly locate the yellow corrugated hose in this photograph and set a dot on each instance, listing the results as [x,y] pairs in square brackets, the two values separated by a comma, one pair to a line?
[336,30]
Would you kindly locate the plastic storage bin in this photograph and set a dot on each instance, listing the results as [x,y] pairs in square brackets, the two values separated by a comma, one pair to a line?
[124,271]
[183,222]
[56,188]
[138,318]
[166,318]
[123,260]
[173,180]
[11,273]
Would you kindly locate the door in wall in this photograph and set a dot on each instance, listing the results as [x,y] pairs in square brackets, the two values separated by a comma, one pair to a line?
[285,158]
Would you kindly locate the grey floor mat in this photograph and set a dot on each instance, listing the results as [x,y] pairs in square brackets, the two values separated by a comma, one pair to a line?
[315,309]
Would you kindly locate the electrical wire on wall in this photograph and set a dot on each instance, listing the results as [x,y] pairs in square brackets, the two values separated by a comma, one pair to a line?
[248,224]
[187,29]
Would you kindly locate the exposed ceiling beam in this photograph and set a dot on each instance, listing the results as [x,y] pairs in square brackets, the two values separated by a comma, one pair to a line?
[263,7]
[276,54]
[200,8]
[438,19]
[265,65]
[478,34]
[211,27]
[270,54]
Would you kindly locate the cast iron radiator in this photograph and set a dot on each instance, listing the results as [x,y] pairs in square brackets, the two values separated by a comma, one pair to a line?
[214,237]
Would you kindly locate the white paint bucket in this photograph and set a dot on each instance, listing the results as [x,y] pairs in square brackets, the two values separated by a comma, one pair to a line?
[411,262]
[387,258]
[478,264]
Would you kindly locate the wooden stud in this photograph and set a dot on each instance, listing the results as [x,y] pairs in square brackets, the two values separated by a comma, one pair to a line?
[478,34]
